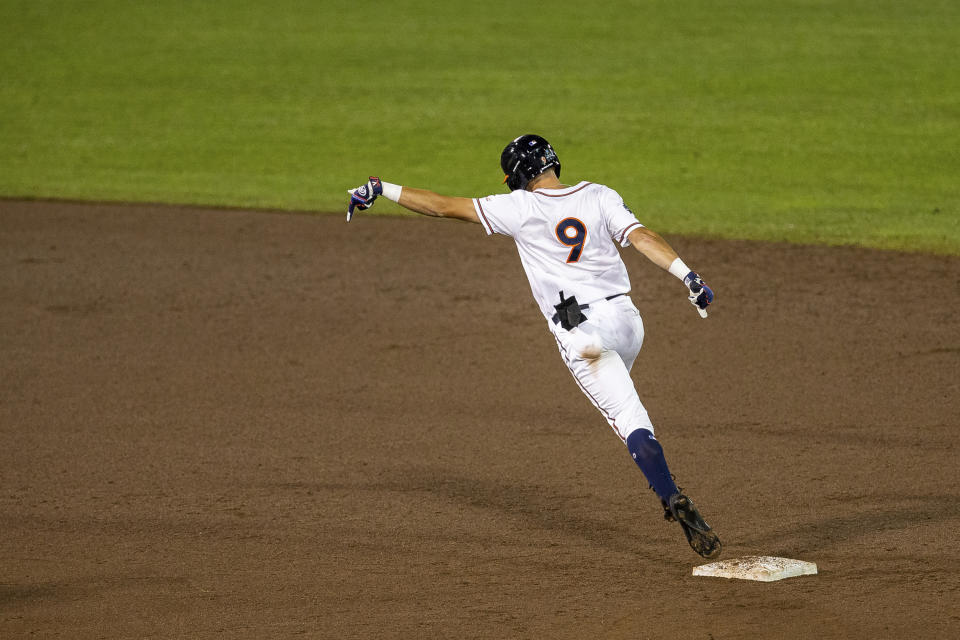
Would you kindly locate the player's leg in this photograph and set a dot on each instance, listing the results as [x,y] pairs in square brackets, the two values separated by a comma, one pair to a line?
[648,454]
[622,332]
[606,381]
[611,345]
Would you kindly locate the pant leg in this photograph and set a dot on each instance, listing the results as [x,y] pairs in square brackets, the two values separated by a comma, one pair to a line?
[599,354]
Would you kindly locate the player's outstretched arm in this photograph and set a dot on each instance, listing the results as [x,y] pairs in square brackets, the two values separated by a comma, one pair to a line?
[421,201]
[433,204]
[658,251]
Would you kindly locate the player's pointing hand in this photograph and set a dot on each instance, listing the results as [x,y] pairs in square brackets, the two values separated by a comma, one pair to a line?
[363,196]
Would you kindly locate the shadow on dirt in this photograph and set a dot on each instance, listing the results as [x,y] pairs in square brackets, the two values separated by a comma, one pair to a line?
[535,506]
[828,532]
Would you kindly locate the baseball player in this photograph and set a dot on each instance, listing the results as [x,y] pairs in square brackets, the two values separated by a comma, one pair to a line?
[567,238]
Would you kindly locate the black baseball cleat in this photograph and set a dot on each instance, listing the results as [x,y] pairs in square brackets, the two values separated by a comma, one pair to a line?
[701,537]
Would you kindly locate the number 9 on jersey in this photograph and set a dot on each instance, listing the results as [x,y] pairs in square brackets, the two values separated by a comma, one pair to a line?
[572,233]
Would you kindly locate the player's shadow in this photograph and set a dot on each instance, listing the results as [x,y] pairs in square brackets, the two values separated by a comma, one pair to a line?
[13,594]
[536,506]
[823,533]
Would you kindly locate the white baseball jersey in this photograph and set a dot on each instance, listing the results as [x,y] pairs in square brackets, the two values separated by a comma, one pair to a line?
[565,238]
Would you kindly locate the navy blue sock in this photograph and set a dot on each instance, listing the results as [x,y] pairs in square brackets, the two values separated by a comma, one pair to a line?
[648,454]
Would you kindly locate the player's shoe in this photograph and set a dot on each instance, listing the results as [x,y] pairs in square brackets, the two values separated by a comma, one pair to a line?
[701,537]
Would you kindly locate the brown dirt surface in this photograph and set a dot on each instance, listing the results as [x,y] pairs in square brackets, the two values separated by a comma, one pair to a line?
[258,425]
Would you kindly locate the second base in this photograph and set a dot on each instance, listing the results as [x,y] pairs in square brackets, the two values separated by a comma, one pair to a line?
[761,568]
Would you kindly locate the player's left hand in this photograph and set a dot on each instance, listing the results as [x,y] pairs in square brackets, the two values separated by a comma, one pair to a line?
[700,295]
[363,196]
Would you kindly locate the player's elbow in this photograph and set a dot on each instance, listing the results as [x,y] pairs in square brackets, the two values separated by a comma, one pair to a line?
[444,210]
[440,206]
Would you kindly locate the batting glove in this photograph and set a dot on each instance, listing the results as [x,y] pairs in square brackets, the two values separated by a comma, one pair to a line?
[363,196]
[700,294]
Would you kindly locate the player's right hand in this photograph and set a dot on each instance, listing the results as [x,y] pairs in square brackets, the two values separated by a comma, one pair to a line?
[700,295]
[363,196]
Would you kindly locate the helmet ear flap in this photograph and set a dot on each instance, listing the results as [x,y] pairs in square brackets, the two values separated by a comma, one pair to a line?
[510,164]
[515,179]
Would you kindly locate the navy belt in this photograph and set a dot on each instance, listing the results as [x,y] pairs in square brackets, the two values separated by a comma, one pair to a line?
[556,316]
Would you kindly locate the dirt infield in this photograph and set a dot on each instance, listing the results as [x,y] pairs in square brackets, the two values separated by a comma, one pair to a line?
[256,425]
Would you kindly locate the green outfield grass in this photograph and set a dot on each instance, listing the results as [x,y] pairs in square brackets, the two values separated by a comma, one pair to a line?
[803,120]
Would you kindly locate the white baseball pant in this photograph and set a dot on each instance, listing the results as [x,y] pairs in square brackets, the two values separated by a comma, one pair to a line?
[600,353]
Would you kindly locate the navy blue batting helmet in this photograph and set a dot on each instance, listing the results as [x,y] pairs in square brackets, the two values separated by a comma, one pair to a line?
[525,158]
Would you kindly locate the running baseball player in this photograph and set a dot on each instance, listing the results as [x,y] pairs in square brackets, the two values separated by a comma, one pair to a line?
[567,238]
